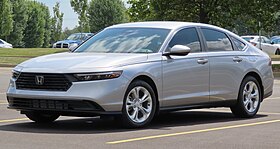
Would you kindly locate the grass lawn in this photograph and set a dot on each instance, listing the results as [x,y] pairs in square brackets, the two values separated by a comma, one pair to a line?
[11,57]
[275,57]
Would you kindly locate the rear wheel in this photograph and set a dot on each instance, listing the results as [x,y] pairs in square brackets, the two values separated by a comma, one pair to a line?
[277,52]
[248,99]
[139,105]
[39,117]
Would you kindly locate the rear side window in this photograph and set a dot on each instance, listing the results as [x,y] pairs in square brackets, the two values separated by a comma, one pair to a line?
[216,41]
[248,38]
[187,37]
[240,45]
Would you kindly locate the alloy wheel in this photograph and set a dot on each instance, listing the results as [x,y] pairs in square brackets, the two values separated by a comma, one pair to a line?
[139,104]
[251,97]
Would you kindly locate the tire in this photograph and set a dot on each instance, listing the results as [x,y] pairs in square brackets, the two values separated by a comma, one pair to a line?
[249,98]
[138,112]
[277,52]
[42,117]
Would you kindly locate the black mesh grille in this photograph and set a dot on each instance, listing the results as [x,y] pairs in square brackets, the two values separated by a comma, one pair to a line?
[65,45]
[58,45]
[51,82]
[58,105]
[61,45]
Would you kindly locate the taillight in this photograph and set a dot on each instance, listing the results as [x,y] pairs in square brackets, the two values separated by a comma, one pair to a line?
[254,44]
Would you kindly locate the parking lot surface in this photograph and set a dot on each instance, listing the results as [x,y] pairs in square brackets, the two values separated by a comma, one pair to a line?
[203,128]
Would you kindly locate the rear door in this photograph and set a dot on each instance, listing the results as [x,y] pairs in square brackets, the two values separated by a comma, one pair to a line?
[226,65]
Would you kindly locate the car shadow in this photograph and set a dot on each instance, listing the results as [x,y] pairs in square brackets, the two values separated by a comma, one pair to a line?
[96,125]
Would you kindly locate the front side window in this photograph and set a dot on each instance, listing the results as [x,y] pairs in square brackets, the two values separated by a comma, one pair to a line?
[216,41]
[125,40]
[187,37]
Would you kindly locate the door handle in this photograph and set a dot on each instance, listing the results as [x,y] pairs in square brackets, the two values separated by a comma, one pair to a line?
[202,61]
[237,59]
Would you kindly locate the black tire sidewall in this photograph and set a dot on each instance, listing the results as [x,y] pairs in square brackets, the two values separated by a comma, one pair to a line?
[240,96]
[39,117]
[125,118]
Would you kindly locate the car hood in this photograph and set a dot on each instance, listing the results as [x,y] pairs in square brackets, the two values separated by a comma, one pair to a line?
[80,62]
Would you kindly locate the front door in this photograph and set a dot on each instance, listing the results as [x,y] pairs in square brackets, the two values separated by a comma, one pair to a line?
[186,78]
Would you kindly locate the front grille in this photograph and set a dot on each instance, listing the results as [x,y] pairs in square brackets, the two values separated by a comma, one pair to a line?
[51,82]
[61,45]
[57,105]
[65,45]
[58,45]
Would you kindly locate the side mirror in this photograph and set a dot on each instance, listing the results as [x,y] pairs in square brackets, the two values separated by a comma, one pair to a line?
[178,50]
[272,42]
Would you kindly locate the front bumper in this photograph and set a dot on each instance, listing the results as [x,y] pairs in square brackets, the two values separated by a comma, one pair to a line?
[100,97]
[61,107]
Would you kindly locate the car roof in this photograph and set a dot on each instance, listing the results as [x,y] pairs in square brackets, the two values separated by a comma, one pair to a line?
[83,33]
[250,36]
[162,24]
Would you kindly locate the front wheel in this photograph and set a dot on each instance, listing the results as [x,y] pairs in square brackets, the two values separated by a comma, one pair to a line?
[139,105]
[39,117]
[249,98]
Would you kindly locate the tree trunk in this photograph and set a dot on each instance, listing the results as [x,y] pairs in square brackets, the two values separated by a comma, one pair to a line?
[203,15]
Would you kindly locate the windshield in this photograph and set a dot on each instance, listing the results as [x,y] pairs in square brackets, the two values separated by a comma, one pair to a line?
[125,40]
[76,37]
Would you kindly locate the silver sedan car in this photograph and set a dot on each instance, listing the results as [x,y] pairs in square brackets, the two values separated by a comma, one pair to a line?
[135,70]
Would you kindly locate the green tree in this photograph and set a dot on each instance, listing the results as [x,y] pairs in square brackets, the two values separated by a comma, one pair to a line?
[6,18]
[19,23]
[47,33]
[229,14]
[104,13]
[56,23]
[35,29]
[81,8]
[139,10]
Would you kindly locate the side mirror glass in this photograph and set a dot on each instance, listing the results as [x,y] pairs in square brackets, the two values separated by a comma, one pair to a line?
[178,50]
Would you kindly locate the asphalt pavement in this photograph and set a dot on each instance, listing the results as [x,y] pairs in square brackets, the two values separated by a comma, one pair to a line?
[204,128]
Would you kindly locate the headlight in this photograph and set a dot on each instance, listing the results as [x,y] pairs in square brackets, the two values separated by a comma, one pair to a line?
[98,76]
[73,45]
[15,74]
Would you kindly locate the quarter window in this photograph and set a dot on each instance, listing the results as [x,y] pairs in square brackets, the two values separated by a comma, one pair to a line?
[187,37]
[240,45]
[216,41]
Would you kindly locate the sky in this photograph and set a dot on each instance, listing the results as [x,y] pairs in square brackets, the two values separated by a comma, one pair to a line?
[70,18]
